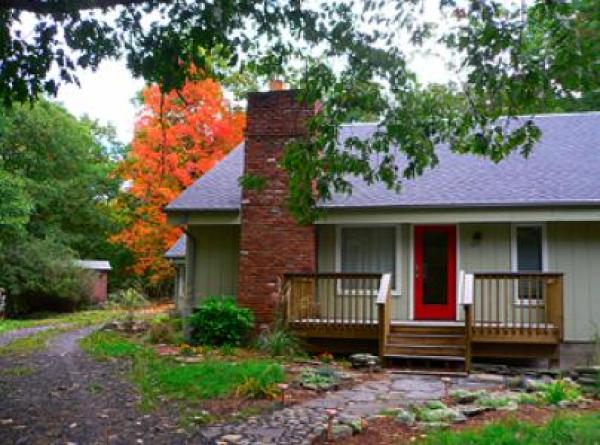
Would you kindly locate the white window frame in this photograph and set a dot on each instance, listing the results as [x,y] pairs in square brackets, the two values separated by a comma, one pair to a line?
[514,259]
[396,289]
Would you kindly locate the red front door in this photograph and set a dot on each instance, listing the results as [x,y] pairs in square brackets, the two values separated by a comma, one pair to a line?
[435,273]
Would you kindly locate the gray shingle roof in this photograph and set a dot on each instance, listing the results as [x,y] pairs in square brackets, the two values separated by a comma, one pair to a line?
[217,190]
[177,250]
[564,169]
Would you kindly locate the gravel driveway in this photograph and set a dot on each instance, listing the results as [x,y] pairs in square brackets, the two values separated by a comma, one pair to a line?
[62,396]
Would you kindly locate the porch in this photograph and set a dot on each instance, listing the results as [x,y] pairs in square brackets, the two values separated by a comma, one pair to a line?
[498,314]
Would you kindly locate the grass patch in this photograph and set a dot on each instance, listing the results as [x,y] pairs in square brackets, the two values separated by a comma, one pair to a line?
[567,430]
[158,378]
[18,371]
[27,345]
[76,319]
[104,345]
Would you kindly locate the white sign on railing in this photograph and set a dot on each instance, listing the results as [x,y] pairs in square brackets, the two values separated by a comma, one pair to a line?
[466,283]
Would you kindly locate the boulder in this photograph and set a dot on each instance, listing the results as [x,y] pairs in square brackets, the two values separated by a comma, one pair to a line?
[464,396]
[435,404]
[433,426]
[472,410]
[364,360]
[405,417]
[341,431]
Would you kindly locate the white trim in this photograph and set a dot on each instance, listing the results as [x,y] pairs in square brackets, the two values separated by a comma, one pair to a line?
[513,244]
[411,270]
[411,273]
[456,216]
[457,272]
[514,258]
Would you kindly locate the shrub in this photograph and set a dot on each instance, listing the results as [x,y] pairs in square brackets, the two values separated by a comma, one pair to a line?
[560,390]
[161,332]
[40,275]
[278,342]
[219,321]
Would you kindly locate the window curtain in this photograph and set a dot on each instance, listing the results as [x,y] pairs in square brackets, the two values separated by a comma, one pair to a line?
[369,250]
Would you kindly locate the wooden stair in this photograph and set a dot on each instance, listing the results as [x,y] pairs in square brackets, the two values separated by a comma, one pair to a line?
[426,345]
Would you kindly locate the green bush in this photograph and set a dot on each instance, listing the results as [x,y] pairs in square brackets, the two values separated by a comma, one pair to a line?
[220,321]
[41,275]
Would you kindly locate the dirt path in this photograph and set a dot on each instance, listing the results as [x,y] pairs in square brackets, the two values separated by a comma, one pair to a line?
[61,396]
[20,333]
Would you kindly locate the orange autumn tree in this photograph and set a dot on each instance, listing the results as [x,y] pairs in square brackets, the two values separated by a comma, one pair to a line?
[178,137]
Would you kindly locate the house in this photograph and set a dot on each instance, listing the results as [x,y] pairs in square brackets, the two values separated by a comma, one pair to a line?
[98,290]
[384,270]
[176,255]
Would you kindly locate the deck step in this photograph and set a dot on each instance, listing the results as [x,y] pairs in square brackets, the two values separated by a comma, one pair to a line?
[420,350]
[427,357]
[429,330]
[436,340]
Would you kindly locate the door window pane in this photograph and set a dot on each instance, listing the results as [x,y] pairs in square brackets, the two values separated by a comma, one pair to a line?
[435,267]
[369,250]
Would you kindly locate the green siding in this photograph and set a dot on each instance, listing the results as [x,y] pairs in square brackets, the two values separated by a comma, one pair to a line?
[574,248]
[326,248]
[490,253]
[216,260]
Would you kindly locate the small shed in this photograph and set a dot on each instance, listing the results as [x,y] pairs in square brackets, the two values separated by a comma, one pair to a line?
[98,292]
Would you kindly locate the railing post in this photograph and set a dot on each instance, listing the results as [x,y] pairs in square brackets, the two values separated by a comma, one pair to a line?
[466,290]
[383,311]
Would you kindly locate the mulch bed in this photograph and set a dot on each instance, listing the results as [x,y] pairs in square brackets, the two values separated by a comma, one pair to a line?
[386,431]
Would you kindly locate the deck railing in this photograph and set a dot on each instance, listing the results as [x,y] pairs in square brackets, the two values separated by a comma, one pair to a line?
[510,305]
[334,300]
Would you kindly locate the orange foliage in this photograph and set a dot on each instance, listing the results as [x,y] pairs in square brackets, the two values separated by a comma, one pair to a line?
[178,137]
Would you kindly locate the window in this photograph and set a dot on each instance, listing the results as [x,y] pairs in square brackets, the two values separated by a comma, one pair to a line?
[368,249]
[529,248]
[528,256]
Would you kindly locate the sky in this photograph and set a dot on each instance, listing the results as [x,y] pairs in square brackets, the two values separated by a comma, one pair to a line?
[106,95]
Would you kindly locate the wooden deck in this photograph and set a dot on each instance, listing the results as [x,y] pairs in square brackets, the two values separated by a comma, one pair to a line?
[503,314]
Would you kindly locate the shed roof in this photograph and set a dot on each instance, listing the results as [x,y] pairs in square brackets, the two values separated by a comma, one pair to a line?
[177,250]
[94,264]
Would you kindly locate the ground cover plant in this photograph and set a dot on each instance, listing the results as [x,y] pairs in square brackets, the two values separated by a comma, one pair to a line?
[562,429]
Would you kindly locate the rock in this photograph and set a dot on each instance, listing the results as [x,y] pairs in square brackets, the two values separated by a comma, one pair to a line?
[405,417]
[435,404]
[348,419]
[439,415]
[341,431]
[517,382]
[511,406]
[464,396]
[231,438]
[533,385]
[588,369]
[567,404]
[433,426]
[364,361]
[357,426]
[472,410]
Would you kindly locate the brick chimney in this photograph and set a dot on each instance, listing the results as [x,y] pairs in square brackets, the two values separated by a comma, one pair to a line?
[271,242]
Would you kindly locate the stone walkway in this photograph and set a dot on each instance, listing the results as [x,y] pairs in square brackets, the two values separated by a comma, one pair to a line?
[303,423]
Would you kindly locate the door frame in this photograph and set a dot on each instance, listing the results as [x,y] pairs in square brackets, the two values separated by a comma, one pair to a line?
[449,311]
